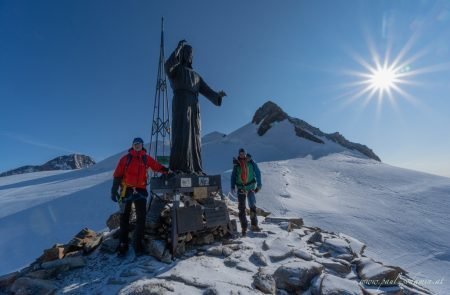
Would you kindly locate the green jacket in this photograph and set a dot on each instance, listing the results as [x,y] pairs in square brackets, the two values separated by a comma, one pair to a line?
[252,172]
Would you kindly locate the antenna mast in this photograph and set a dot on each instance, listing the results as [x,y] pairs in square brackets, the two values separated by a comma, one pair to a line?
[160,137]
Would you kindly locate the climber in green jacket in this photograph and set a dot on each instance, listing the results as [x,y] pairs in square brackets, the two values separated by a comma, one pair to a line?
[246,177]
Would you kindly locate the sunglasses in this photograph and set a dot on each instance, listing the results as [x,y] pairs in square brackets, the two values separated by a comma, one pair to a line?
[137,143]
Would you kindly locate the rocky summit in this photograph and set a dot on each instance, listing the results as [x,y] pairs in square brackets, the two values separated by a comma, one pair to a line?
[67,162]
[270,113]
[286,257]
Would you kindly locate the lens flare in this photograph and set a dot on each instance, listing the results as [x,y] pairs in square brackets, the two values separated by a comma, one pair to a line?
[383,79]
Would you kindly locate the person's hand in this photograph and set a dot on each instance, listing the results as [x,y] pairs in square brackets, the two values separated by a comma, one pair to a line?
[114,197]
[222,93]
[114,188]
[165,170]
[257,189]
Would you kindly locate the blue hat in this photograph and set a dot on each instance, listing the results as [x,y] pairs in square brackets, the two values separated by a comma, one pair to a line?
[241,150]
[138,140]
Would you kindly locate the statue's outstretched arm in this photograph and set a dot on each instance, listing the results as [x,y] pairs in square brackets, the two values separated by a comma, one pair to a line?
[174,59]
[214,97]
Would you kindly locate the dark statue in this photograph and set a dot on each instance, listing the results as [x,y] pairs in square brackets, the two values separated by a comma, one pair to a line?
[185,153]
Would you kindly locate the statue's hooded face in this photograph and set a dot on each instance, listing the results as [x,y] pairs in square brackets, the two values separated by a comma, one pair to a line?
[186,55]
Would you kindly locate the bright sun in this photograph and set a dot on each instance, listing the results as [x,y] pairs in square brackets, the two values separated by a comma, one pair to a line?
[383,79]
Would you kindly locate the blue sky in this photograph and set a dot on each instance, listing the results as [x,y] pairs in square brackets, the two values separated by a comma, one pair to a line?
[79,76]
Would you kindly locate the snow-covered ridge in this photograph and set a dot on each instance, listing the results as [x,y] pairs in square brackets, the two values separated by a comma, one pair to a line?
[68,162]
[273,135]
[270,113]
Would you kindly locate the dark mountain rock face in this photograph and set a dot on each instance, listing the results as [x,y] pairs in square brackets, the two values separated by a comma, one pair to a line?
[68,162]
[271,113]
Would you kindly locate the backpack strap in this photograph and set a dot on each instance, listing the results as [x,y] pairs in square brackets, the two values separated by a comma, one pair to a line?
[129,157]
[144,159]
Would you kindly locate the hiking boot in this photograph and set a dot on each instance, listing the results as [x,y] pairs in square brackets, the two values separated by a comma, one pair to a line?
[139,252]
[244,231]
[152,228]
[122,250]
[139,249]
[255,228]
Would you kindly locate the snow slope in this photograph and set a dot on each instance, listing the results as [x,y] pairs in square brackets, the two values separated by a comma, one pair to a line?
[402,215]
[40,209]
[279,143]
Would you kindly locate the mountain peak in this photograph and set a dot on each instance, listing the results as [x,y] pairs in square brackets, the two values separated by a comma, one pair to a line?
[270,113]
[267,114]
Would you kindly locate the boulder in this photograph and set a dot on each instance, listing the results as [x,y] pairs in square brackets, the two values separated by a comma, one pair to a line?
[297,275]
[346,257]
[204,239]
[264,282]
[265,246]
[371,272]
[210,291]
[65,264]
[43,274]
[278,250]
[296,222]
[86,240]
[219,251]
[148,287]
[109,245]
[328,284]
[8,279]
[26,285]
[231,262]
[338,246]
[157,248]
[302,254]
[258,259]
[356,245]
[113,221]
[54,253]
[340,268]
[315,237]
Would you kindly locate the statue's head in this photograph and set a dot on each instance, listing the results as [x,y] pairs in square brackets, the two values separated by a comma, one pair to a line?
[186,55]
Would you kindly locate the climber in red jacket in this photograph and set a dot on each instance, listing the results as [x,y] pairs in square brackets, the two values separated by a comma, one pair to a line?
[131,177]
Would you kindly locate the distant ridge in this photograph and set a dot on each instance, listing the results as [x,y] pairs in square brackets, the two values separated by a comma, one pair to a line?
[67,162]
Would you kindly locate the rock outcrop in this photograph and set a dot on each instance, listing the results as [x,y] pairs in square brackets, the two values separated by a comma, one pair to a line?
[69,162]
[279,260]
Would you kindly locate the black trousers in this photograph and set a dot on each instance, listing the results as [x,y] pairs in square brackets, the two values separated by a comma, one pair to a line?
[250,196]
[141,209]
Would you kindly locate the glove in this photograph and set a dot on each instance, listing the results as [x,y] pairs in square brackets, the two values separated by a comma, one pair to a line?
[164,170]
[114,196]
[257,189]
[115,188]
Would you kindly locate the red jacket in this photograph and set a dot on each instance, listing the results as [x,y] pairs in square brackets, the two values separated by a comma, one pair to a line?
[135,174]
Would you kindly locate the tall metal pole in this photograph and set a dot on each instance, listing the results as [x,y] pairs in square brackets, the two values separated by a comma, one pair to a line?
[161,120]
